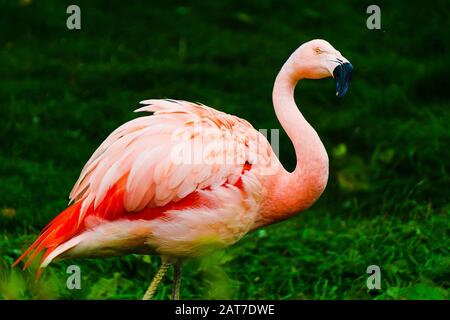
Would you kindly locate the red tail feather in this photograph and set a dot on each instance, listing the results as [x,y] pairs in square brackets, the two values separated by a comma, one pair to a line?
[59,230]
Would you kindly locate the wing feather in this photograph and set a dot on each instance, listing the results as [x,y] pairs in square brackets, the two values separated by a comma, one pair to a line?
[213,146]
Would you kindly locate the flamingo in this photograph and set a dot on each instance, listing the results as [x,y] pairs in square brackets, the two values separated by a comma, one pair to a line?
[190,179]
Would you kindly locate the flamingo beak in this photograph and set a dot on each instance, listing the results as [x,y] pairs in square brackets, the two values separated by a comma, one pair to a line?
[343,75]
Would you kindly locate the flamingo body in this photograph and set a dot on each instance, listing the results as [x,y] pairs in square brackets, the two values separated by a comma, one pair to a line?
[133,197]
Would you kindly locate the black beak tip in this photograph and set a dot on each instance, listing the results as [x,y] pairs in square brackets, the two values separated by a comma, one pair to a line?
[343,75]
[341,94]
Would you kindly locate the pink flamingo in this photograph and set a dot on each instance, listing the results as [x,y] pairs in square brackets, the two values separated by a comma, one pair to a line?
[189,179]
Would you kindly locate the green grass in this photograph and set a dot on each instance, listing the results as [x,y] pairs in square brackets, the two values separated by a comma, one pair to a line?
[387,202]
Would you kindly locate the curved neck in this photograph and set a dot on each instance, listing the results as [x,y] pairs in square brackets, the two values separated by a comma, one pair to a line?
[294,191]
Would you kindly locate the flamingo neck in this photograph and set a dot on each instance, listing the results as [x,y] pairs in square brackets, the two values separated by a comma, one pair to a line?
[295,191]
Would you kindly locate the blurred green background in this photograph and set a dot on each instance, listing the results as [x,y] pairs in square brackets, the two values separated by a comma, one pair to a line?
[387,202]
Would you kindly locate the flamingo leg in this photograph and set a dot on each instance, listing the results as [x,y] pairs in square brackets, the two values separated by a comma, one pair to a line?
[156,280]
[176,280]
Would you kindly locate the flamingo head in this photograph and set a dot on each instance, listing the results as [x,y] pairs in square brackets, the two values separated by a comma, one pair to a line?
[318,59]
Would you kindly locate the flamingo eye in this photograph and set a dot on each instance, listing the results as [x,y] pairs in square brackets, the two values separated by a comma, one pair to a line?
[318,50]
